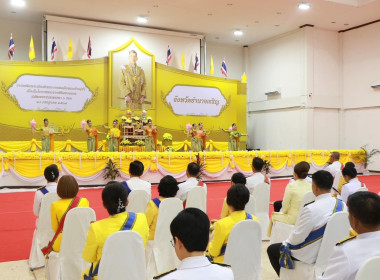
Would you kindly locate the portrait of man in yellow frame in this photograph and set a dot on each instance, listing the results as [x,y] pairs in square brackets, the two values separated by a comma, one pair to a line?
[131,77]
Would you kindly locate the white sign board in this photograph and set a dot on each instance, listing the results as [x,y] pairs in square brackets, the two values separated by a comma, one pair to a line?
[49,93]
[196,101]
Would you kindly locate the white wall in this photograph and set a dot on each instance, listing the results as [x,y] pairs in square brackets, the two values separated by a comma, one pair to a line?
[22,31]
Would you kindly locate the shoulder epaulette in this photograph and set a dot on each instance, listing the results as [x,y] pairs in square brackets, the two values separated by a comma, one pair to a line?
[163,274]
[40,188]
[308,203]
[221,264]
[345,240]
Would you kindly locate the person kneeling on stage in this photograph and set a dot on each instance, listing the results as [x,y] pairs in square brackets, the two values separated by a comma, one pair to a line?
[305,240]
[114,198]
[167,187]
[237,198]
[190,230]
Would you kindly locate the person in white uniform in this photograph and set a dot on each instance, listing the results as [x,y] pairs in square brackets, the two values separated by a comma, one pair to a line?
[51,174]
[193,172]
[258,177]
[335,165]
[190,231]
[353,184]
[136,169]
[312,217]
[349,255]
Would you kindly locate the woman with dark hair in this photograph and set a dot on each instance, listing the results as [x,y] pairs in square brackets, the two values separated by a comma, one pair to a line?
[167,187]
[92,139]
[353,184]
[151,137]
[233,143]
[342,181]
[114,198]
[67,190]
[113,136]
[293,196]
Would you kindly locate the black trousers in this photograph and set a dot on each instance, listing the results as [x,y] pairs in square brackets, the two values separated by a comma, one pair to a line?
[273,252]
[277,205]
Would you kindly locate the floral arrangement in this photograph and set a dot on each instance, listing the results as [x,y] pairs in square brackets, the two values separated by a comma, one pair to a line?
[108,137]
[188,127]
[83,125]
[33,124]
[169,149]
[267,166]
[140,143]
[111,171]
[125,143]
[124,118]
[167,137]
[368,154]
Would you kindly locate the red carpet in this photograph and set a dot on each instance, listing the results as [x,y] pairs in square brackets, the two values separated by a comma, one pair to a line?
[17,220]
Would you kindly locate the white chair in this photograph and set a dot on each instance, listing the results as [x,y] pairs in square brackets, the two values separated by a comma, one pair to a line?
[362,189]
[369,269]
[337,228]
[68,263]
[43,232]
[123,257]
[243,250]
[281,231]
[160,253]
[261,193]
[335,185]
[250,206]
[137,201]
[197,198]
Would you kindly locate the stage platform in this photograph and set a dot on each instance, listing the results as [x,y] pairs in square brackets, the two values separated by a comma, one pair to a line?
[25,169]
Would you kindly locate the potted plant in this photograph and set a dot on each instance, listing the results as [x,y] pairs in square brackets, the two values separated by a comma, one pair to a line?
[366,157]
[111,171]
[167,139]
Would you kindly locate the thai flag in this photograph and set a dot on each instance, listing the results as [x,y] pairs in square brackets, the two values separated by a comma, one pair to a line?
[11,49]
[224,68]
[196,64]
[168,55]
[54,49]
[89,48]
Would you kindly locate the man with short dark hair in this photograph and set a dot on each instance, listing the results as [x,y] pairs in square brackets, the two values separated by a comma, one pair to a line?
[190,231]
[334,165]
[136,169]
[349,254]
[301,245]
[193,172]
[258,177]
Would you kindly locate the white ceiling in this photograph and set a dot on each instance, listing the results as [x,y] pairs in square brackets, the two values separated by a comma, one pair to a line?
[216,19]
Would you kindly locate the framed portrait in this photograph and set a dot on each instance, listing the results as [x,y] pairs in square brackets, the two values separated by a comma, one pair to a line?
[131,81]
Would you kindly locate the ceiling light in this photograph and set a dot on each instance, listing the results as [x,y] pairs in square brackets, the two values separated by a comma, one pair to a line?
[238,32]
[18,3]
[304,6]
[142,19]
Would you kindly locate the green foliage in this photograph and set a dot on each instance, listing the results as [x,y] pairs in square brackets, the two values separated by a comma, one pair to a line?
[111,171]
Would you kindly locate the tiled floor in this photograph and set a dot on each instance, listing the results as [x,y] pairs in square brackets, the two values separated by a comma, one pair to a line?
[19,270]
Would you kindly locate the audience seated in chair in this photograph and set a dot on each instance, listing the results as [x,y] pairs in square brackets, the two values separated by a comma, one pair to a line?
[193,172]
[67,190]
[136,170]
[334,165]
[293,196]
[258,177]
[167,187]
[237,198]
[190,231]
[350,254]
[236,178]
[338,190]
[114,198]
[303,243]
[51,175]
[353,184]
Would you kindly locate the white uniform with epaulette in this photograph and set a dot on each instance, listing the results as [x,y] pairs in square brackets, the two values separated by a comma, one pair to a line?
[198,268]
[334,168]
[51,187]
[350,254]
[313,216]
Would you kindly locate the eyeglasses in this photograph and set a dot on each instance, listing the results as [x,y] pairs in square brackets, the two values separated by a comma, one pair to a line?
[172,242]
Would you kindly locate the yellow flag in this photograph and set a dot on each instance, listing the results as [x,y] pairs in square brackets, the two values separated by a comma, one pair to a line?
[70,50]
[183,61]
[244,78]
[212,66]
[32,54]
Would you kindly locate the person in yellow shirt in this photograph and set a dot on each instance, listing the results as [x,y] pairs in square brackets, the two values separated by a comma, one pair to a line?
[92,139]
[113,137]
[237,198]
[67,190]
[293,196]
[114,198]
[237,178]
[167,187]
